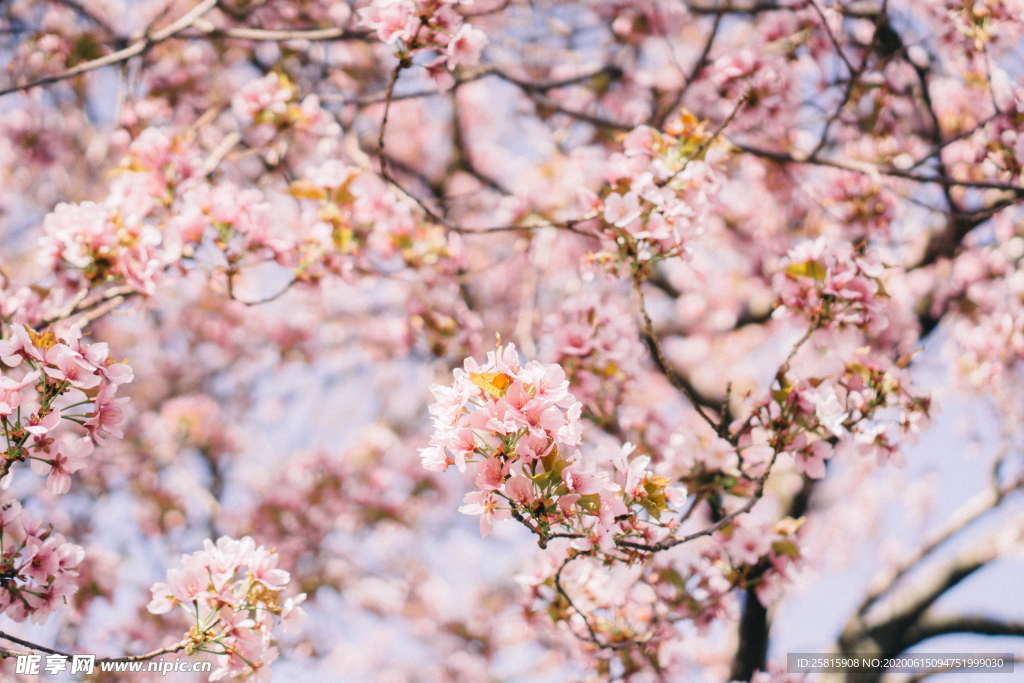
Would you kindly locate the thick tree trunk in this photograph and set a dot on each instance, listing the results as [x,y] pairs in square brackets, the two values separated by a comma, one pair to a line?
[753,646]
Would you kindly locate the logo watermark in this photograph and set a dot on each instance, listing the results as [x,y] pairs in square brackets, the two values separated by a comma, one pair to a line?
[55,664]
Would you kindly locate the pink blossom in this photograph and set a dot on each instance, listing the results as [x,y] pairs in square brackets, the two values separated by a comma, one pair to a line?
[465,46]
[69,457]
[18,346]
[108,416]
[68,365]
[811,461]
[747,544]
[621,210]
[487,506]
[392,20]
[268,94]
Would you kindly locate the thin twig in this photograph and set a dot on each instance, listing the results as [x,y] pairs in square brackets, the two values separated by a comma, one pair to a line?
[137,48]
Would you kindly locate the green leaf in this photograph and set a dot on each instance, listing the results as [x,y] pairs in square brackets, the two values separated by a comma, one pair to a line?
[787,548]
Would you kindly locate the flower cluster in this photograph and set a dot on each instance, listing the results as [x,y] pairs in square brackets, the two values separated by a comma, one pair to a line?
[595,342]
[833,285]
[372,482]
[427,25]
[501,414]
[37,566]
[231,592]
[758,75]
[981,23]
[195,421]
[57,375]
[356,212]
[90,237]
[867,404]
[1005,148]
[273,101]
[521,427]
[631,607]
[660,190]
[112,240]
[237,220]
[760,554]
[28,134]
[863,206]
[986,335]
[163,215]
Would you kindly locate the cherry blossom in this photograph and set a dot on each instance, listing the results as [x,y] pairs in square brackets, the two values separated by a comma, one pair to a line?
[752,269]
[233,611]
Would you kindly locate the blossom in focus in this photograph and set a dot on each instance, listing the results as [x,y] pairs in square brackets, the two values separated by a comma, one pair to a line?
[231,591]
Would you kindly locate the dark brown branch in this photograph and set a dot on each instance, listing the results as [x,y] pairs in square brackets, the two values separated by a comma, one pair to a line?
[832,38]
[963,518]
[682,384]
[695,71]
[752,650]
[865,169]
[888,636]
[755,625]
[184,22]
[208,30]
[737,8]
[127,658]
[979,625]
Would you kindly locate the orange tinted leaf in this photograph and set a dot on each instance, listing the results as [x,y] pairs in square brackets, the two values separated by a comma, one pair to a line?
[494,383]
[303,189]
[42,341]
[813,269]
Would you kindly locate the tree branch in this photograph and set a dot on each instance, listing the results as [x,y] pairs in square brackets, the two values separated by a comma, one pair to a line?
[186,20]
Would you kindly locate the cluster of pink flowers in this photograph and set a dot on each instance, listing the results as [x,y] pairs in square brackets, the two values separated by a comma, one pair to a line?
[358,215]
[90,237]
[59,43]
[198,421]
[864,208]
[497,415]
[112,239]
[644,604]
[163,214]
[866,405]
[986,334]
[237,220]
[833,284]
[520,426]
[34,137]
[765,554]
[1005,149]
[661,188]
[231,591]
[37,566]
[57,376]
[273,101]
[760,75]
[157,164]
[595,342]
[375,480]
[427,25]
[977,24]
[159,211]
[625,604]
